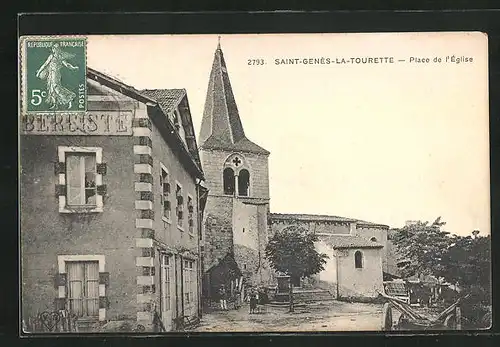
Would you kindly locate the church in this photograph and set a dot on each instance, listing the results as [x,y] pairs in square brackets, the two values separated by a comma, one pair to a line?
[238,222]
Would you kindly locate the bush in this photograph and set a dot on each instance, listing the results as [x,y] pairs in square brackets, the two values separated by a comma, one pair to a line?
[476,307]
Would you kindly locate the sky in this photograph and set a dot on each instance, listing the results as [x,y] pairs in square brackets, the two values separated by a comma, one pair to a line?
[384,143]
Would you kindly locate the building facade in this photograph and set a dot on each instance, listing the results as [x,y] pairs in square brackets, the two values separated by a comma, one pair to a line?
[111,204]
[356,253]
[237,177]
[238,222]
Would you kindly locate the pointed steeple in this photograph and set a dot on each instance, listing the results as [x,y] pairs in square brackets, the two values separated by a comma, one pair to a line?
[221,127]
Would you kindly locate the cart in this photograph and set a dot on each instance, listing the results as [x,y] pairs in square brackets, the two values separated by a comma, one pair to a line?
[448,319]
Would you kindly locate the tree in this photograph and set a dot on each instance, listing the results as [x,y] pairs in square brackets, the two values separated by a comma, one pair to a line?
[429,250]
[467,261]
[291,251]
[421,246]
[462,260]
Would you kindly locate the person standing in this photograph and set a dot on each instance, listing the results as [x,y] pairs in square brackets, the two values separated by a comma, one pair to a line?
[237,298]
[223,298]
[253,300]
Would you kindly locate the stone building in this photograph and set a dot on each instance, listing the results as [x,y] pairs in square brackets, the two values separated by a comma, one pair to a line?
[238,221]
[237,177]
[111,204]
[356,253]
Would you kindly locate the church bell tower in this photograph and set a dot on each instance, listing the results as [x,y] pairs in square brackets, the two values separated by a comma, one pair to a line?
[237,176]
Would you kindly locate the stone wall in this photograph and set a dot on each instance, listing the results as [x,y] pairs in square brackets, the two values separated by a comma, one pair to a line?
[47,233]
[380,235]
[367,231]
[218,230]
[361,283]
[230,225]
[250,240]
[213,166]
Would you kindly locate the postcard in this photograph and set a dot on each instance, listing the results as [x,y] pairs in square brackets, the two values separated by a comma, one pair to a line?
[254,183]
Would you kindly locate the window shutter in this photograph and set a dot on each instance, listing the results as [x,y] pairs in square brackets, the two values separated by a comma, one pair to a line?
[102,169]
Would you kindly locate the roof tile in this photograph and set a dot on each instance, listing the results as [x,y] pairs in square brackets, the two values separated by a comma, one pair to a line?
[221,127]
[168,99]
[323,218]
[348,241]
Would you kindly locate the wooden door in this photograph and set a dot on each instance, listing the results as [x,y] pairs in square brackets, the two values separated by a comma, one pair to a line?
[167,290]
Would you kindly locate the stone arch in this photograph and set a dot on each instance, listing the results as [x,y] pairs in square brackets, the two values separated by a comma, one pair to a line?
[237,162]
[228,181]
[240,167]
[244,183]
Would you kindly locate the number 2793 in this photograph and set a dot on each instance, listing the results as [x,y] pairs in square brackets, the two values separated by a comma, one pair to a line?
[256,62]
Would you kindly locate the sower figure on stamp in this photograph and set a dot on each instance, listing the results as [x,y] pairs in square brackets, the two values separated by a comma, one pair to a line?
[223,297]
[50,71]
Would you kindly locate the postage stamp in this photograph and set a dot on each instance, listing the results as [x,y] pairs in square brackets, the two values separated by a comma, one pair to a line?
[54,74]
[255,183]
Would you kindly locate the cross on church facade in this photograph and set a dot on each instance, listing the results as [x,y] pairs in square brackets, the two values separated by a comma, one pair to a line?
[236,161]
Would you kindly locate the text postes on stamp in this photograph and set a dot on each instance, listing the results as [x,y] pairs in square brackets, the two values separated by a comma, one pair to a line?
[55,74]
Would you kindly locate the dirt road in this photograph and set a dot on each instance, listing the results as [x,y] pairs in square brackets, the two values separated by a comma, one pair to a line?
[322,316]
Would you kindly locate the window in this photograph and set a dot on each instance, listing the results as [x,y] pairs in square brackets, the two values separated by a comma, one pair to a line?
[358,260]
[228,181]
[81,170]
[80,179]
[189,281]
[180,209]
[165,194]
[190,215]
[83,288]
[373,239]
[243,182]
[165,283]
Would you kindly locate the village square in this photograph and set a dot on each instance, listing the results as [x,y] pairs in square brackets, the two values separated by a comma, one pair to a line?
[133,222]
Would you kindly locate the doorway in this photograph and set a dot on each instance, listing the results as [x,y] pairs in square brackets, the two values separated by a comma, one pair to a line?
[167,290]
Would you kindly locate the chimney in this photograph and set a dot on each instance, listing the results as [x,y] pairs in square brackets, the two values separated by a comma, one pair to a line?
[352,229]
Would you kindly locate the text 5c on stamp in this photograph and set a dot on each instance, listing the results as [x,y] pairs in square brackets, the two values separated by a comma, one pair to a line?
[54,74]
